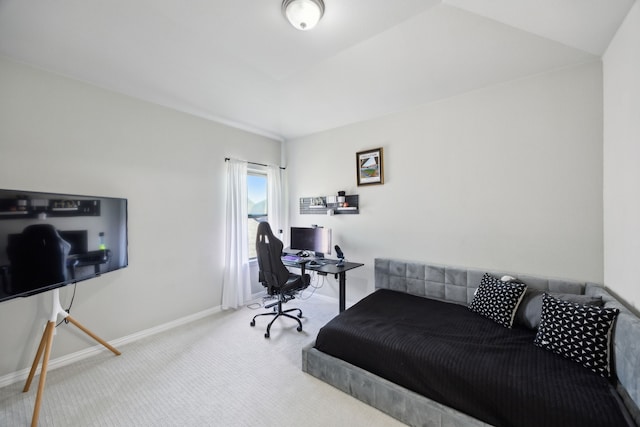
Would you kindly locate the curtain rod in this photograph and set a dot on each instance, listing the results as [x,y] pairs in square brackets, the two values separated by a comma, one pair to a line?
[226,159]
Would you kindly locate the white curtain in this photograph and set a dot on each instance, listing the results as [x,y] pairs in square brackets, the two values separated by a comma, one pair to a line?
[277,214]
[236,285]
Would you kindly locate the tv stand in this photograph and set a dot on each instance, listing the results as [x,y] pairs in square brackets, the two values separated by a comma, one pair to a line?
[46,343]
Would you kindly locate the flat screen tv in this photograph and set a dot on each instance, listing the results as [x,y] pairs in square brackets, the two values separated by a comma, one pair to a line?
[49,240]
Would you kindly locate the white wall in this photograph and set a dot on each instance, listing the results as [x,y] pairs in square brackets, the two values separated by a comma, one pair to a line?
[508,177]
[61,135]
[622,159]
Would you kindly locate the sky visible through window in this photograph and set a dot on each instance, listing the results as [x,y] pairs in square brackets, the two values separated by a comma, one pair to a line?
[256,206]
[257,194]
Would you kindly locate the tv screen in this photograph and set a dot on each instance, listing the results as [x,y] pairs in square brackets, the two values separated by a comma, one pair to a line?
[49,240]
[316,239]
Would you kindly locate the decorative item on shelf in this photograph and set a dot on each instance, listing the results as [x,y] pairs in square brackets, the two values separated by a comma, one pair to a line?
[370,167]
[318,203]
[39,204]
[65,205]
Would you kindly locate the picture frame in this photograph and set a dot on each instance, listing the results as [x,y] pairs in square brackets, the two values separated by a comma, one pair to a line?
[370,167]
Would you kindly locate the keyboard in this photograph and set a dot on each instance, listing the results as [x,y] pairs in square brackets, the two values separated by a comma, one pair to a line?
[291,258]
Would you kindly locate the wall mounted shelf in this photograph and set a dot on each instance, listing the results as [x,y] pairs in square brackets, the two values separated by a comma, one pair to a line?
[320,206]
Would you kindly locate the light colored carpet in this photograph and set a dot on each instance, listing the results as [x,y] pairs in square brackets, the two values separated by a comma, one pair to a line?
[217,371]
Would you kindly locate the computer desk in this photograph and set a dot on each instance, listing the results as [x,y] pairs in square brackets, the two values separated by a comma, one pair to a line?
[329,267]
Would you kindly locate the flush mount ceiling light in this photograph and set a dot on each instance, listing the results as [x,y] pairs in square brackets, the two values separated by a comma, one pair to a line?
[303,14]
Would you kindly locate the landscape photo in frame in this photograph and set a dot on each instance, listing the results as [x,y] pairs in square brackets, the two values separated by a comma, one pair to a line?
[370,167]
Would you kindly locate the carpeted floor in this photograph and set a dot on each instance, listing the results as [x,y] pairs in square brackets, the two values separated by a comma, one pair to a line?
[217,371]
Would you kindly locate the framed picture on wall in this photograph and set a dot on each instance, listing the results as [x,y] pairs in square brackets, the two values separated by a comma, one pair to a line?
[370,167]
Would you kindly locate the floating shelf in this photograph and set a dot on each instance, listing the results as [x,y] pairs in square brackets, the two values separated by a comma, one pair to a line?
[319,206]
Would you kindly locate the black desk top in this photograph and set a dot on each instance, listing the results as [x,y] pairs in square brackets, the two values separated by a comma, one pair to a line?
[325,265]
[100,256]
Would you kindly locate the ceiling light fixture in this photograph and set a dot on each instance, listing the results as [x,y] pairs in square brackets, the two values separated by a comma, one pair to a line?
[303,14]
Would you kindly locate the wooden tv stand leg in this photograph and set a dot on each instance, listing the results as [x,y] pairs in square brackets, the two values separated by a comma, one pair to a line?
[45,347]
[92,335]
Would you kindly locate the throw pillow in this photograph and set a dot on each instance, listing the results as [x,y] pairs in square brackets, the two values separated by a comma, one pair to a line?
[530,308]
[497,300]
[578,332]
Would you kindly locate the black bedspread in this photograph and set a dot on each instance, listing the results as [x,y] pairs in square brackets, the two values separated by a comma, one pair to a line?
[449,354]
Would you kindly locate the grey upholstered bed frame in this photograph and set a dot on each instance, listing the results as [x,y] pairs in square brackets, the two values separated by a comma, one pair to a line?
[457,285]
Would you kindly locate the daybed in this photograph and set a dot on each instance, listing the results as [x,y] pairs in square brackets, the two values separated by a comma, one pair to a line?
[415,350]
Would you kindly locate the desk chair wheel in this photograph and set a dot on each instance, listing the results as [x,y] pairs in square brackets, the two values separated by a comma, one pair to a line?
[253,322]
[299,328]
[266,335]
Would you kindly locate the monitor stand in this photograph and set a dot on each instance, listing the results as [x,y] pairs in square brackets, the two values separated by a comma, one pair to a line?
[45,347]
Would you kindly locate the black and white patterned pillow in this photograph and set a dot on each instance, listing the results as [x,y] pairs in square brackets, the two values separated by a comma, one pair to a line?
[497,300]
[578,332]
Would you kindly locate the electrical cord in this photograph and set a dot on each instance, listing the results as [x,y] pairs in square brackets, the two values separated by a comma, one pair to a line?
[68,310]
[302,295]
[255,305]
[313,286]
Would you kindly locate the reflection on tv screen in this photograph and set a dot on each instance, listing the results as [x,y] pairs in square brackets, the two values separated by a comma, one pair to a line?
[48,240]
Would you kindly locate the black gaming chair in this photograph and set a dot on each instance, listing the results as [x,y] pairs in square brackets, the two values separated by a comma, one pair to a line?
[38,258]
[275,276]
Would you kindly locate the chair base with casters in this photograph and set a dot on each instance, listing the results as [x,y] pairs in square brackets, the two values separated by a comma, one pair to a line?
[279,312]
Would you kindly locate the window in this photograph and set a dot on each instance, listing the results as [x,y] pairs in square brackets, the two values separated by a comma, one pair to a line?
[256,206]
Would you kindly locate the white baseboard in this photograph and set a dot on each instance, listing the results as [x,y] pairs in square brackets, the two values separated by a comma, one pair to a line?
[68,359]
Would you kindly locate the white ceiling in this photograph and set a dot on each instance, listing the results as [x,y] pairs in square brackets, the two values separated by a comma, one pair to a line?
[241,63]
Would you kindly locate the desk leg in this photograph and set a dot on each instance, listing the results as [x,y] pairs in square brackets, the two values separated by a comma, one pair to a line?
[342,277]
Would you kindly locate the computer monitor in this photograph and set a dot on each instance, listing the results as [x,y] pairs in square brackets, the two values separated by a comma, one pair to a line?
[316,239]
[78,240]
